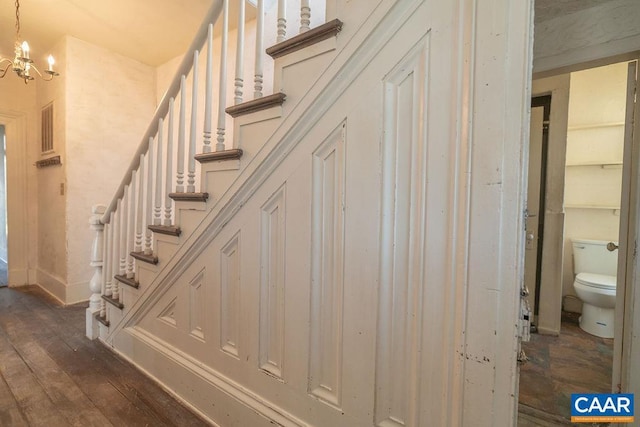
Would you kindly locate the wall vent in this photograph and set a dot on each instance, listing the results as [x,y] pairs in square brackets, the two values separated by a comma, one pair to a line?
[47,129]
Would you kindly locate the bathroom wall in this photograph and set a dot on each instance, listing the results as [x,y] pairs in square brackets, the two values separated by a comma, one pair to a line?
[593,173]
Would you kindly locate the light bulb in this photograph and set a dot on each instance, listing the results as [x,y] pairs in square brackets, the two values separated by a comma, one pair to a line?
[51,61]
[25,49]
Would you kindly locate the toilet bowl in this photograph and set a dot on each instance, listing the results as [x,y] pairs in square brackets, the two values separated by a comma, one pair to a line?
[595,285]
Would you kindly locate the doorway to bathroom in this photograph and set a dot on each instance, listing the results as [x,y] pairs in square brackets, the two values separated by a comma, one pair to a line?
[579,125]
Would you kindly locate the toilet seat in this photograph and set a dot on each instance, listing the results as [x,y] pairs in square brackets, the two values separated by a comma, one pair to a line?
[600,281]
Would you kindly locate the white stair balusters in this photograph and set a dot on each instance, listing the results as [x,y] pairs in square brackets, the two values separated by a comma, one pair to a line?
[140,206]
[131,218]
[123,233]
[106,265]
[96,282]
[122,223]
[169,169]
[259,62]
[139,200]
[305,16]
[181,137]
[222,96]
[239,80]
[157,211]
[282,21]
[208,94]
[148,250]
[115,264]
[191,170]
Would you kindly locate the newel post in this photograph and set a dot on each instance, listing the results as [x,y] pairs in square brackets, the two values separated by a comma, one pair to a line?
[95,285]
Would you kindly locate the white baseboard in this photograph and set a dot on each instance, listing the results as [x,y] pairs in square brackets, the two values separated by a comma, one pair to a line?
[52,285]
[66,294]
[548,331]
[77,292]
[193,382]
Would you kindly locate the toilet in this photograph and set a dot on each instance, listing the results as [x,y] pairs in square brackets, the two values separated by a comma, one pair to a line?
[595,284]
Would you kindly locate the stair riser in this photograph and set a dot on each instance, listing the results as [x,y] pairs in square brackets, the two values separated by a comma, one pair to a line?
[250,131]
[294,74]
[187,219]
[217,182]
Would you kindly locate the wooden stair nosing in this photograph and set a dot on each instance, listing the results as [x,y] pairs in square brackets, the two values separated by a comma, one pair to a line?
[165,229]
[189,197]
[127,281]
[257,104]
[215,156]
[141,256]
[101,319]
[113,302]
[305,39]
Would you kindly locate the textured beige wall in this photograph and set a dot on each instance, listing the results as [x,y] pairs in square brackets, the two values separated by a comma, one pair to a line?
[51,205]
[111,100]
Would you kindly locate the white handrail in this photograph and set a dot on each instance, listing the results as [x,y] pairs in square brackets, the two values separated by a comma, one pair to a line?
[184,68]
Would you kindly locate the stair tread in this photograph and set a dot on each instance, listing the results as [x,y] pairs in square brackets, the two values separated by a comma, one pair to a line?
[102,320]
[215,156]
[189,197]
[148,258]
[170,230]
[257,104]
[127,281]
[306,39]
[115,302]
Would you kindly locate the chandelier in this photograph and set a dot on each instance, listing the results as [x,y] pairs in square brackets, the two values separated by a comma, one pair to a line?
[22,64]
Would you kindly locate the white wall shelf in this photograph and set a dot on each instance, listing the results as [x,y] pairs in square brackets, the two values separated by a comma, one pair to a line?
[594,126]
[607,165]
[615,210]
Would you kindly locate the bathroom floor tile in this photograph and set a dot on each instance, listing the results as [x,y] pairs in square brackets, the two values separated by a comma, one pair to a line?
[574,362]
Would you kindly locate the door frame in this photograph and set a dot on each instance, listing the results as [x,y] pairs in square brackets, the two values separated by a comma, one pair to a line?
[550,308]
[626,376]
[18,250]
[538,101]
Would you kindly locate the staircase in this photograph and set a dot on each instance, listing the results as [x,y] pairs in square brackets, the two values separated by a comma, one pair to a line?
[192,174]
[154,212]
[265,257]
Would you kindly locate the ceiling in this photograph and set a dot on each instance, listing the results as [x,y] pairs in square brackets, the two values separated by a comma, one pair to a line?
[151,31]
[547,9]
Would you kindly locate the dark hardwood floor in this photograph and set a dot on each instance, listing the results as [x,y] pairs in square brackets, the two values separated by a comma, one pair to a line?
[52,375]
[574,362]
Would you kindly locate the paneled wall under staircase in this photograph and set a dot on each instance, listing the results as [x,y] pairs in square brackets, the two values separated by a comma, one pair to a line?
[314,269]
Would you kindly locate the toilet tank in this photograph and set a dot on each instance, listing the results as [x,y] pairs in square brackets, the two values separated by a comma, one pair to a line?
[592,256]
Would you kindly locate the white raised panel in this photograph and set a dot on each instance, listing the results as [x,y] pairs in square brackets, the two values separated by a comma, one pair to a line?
[168,314]
[272,283]
[196,306]
[327,268]
[230,296]
[402,267]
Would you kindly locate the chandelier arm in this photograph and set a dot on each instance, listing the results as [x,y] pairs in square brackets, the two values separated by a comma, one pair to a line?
[4,72]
